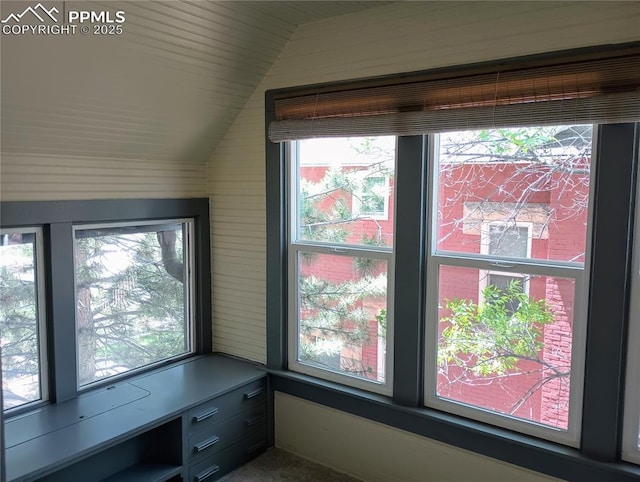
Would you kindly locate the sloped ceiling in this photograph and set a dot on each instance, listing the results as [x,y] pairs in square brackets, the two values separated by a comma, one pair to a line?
[167,88]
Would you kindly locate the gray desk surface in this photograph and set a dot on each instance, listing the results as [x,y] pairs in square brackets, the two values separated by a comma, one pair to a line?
[60,434]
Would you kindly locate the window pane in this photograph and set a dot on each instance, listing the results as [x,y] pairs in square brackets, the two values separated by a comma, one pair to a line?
[132,294]
[342,314]
[19,321]
[509,177]
[505,343]
[344,190]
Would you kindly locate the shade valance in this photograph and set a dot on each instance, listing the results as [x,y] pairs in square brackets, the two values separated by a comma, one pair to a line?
[603,89]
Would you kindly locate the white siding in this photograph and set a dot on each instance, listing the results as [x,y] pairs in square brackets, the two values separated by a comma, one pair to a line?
[394,38]
[374,452]
[47,177]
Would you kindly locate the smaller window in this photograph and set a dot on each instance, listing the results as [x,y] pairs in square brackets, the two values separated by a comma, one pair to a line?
[510,241]
[372,199]
[134,305]
[22,318]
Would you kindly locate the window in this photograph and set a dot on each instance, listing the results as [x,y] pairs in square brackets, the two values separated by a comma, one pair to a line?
[509,241]
[127,289]
[372,199]
[507,349]
[340,259]
[494,187]
[22,317]
[133,296]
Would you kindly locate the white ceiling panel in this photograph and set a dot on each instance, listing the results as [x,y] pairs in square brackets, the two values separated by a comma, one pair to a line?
[167,88]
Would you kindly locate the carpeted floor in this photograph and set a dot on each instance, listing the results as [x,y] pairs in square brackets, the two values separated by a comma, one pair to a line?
[279,466]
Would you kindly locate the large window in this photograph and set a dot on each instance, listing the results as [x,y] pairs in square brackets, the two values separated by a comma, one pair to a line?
[124,284]
[341,247]
[512,200]
[507,275]
[133,296]
[22,317]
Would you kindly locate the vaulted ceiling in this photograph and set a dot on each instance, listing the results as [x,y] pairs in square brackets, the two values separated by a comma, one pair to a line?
[167,88]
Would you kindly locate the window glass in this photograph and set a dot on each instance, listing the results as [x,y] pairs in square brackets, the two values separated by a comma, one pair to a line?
[21,318]
[343,186]
[341,251]
[133,296]
[506,350]
[509,177]
[342,312]
[508,330]
[509,241]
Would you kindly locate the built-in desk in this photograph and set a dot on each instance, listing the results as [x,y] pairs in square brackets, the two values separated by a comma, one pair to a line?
[194,420]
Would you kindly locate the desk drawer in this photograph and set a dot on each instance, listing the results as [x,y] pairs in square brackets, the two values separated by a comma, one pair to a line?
[219,464]
[228,405]
[214,438]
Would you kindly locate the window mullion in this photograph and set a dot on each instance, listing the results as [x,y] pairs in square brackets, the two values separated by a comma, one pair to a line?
[410,245]
[61,313]
[611,256]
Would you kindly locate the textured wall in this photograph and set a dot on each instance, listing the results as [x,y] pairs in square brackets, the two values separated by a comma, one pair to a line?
[390,39]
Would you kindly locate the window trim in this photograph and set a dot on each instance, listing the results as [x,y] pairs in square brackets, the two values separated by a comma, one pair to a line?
[598,456]
[56,218]
[631,431]
[41,323]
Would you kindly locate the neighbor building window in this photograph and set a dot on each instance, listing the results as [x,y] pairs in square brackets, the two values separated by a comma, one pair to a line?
[134,289]
[341,247]
[507,270]
[372,198]
[22,317]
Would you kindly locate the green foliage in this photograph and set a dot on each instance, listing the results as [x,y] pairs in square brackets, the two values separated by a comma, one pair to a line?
[515,141]
[381,318]
[490,338]
[18,320]
[334,315]
[369,266]
[134,310]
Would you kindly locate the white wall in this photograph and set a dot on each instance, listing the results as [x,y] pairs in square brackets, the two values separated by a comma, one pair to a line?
[391,39]
[374,452]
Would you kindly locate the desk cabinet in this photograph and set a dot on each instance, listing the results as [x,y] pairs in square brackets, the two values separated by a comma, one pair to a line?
[194,421]
[226,432]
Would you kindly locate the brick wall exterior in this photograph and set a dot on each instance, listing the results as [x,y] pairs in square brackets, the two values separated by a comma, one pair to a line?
[555,208]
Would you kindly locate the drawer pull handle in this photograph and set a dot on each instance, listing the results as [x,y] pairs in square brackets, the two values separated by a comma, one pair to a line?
[205,444]
[204,475]
[205,415]
[252,421]
[253,394]
[256,447]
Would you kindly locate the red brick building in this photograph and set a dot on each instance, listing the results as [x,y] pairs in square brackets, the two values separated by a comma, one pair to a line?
[518,209]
